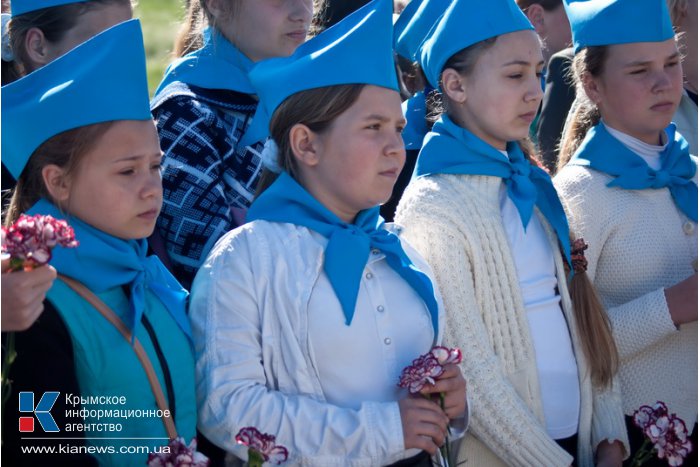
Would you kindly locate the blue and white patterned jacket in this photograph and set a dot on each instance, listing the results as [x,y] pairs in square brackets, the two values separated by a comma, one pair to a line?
[208,180]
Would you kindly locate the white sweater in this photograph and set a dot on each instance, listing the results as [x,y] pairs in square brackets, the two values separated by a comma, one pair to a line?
[455,222]
[639,243]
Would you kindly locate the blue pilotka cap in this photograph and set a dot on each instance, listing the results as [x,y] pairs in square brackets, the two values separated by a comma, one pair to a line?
[357,50]
[20,7]
[609,22]
[418,27]
[465,23]
[403,20]
[101,80]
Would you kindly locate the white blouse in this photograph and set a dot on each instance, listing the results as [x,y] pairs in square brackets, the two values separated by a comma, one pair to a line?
[556,365]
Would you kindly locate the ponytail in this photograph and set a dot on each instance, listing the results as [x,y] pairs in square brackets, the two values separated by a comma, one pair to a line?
[189,37]
[585,113]
[592,321]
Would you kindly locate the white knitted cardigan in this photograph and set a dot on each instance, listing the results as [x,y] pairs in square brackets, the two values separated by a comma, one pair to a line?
[639,243]
[455,222]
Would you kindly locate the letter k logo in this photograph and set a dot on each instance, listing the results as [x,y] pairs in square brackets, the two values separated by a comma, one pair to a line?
[26,404]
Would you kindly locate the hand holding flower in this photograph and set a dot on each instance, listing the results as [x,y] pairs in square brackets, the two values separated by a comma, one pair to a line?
[453,388]
[23,294]
[424,424]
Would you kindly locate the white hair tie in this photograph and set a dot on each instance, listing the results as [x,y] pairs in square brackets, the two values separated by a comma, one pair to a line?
[270,155]
[7,54]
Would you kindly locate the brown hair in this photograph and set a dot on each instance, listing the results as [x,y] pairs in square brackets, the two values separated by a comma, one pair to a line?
[585,113]
[548,5]
[315,108]
[65,150]
[54,22]
[591,319]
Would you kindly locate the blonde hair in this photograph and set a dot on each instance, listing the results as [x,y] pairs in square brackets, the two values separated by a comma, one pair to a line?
[591,319]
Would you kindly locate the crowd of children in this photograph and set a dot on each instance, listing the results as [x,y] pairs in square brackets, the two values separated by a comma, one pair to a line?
[235,266]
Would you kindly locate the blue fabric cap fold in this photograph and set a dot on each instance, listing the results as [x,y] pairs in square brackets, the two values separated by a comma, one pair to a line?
[419,27]
[465,23]
[603,152]
[357,50]
[101,80]
[20,7]
[608,22]
[349,245]
[403,20]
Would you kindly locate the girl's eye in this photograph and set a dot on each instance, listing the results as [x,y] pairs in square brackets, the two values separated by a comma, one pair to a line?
[672,64]
[157,167]
[539,74]
[127,172]
[637,72]
[374,126]
[399,129]
[515,76]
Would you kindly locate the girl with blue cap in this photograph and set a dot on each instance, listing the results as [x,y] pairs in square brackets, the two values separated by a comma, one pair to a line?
[112,352]
[203,108]
[630,184]
[540,364]
[304,318]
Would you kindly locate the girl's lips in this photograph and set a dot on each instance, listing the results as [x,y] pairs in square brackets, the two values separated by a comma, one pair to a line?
[662,107]
[152,214]
[530,116]
[390,173]
[299,36]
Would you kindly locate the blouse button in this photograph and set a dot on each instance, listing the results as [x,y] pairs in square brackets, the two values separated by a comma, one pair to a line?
[369,275]
[689,228]
[380,308]
[387,341]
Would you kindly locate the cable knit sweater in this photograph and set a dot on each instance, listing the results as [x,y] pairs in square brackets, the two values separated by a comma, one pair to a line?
[639,243]
[455,222]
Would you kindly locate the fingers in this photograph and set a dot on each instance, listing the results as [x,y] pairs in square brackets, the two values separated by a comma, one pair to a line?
[454,388]
[424,424]
[5,265]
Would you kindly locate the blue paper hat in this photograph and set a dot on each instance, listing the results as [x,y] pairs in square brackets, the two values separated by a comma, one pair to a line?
[419,26]
[357,50]
[20,7]
[467,22]
[403,20]
[101,80]
[608,22]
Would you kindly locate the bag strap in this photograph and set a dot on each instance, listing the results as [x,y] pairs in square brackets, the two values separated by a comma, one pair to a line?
[112,317]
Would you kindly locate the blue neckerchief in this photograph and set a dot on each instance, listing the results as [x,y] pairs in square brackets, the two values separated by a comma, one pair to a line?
[414,110]
[103,261]
[348,244]
[217,65]
[451,149]
[603,152]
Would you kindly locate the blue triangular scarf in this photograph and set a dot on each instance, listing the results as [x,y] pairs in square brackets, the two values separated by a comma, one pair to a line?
[348,244]
[103,261]
[217,65]
[603,152]
[414,110]
[451,149]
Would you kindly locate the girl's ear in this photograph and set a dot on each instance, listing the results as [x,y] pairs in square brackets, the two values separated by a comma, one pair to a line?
[535,13]
[591,87]
[304,144]
[37,48]
[56,182]
[453,85]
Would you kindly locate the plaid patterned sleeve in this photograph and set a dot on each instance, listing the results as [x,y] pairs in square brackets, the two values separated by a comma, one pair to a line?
[206,176]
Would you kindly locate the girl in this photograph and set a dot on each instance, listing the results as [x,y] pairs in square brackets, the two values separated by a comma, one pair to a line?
[304,318]
[203,108]
[490,224]
[629,183]
[39,31]
[99,168]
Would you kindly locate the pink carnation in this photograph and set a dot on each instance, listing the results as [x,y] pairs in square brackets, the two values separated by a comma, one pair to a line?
[263,444]
[667,433]
[446,356]
[424,370]
[30,239]
[179,455]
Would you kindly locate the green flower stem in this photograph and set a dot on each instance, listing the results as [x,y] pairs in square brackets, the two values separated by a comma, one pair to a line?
[7,360]
[643,454]
[445,448]
[255,459]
